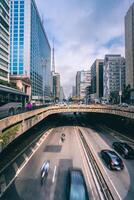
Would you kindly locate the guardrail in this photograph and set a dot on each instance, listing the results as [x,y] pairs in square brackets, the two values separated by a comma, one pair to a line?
[106,192]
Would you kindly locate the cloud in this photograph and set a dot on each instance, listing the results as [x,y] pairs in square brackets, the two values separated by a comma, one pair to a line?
[84,30]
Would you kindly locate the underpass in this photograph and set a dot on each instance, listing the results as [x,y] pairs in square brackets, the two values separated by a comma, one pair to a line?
[62,156]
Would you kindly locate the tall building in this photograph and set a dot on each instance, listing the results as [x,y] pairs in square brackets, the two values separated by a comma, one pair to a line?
[30,50]
[129,46]
[56,86]
[73,91]
[4,40]
[83,80]
[111,74]
[62,95]
[97,79]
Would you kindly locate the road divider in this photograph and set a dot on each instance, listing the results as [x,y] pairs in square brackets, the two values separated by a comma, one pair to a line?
[104,192]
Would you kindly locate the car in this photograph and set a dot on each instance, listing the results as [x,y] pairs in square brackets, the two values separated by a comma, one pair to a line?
[123,149]
[125,105]
[112,160]
[77,189]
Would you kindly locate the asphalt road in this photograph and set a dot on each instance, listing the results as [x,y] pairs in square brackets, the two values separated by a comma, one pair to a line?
[62,156]
[100,139]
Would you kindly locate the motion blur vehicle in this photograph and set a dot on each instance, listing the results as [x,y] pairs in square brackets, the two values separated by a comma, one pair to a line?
[123,149]
[44,170]
[112,160]
[77,189]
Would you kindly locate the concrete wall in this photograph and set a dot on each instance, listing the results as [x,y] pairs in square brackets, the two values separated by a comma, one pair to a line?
[31,118]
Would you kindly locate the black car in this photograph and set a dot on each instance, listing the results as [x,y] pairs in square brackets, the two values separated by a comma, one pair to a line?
[112,160]
[77,189]
[123,149]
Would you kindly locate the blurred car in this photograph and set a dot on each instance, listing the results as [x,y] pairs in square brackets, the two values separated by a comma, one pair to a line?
[77,189]
[112,160]
[123,149]
[125,105]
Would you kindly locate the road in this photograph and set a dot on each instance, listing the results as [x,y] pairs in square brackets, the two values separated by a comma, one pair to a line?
[62,156]
[65,155]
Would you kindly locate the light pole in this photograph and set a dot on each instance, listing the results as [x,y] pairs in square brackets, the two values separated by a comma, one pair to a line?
[120,92]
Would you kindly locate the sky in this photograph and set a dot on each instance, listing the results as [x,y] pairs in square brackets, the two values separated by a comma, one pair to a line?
[83,30]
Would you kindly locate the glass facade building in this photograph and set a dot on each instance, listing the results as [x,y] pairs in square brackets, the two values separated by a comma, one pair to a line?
[4,40]
[30,49]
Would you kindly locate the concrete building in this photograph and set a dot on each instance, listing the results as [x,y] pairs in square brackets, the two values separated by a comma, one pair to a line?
[30,50]
[97,79]
[83,80]
[129,46]
[56,86]
[4,40]
[73,91]
[62,95]
[114,67]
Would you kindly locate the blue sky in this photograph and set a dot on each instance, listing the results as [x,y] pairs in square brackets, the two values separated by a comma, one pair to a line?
[83,30]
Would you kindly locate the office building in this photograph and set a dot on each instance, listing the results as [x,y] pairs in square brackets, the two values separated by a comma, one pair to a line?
[83,80]
[56,86]
[114,68]
[30,52]
[129,46]
[73,91]
[97,79]
[4,40]
[62,95]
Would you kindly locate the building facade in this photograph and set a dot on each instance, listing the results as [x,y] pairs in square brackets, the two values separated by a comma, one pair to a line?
[73,91]
[97,79]
[4,40]
[113,75]
[30,50]
[56,86]
[129,46]
[83,80]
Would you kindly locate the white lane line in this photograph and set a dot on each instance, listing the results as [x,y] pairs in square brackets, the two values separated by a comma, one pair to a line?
[100,163]
[54,174]
[84,164]
[21,168]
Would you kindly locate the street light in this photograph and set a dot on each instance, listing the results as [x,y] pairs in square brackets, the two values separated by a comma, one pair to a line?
[120,92]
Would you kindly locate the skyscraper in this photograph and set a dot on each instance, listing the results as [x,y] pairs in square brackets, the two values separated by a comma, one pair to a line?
[30,49]
[4,40]
[97,79]
[83,80]
[111,74]
[129,46]
[56,86]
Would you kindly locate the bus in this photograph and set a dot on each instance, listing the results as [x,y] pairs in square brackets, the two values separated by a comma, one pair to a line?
[12,101]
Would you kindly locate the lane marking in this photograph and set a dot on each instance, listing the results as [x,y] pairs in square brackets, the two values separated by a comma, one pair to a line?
[54,174]
[100,163]
[84,164]
[11,161]
[21,168]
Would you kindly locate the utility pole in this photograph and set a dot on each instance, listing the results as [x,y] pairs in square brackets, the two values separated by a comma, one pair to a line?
[120,92]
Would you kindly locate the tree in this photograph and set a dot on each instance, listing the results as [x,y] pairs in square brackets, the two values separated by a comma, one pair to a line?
[114,97]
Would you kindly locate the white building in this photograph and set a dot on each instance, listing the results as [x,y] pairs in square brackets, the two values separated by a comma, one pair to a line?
[83,80]
[4,40]
[111,74]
